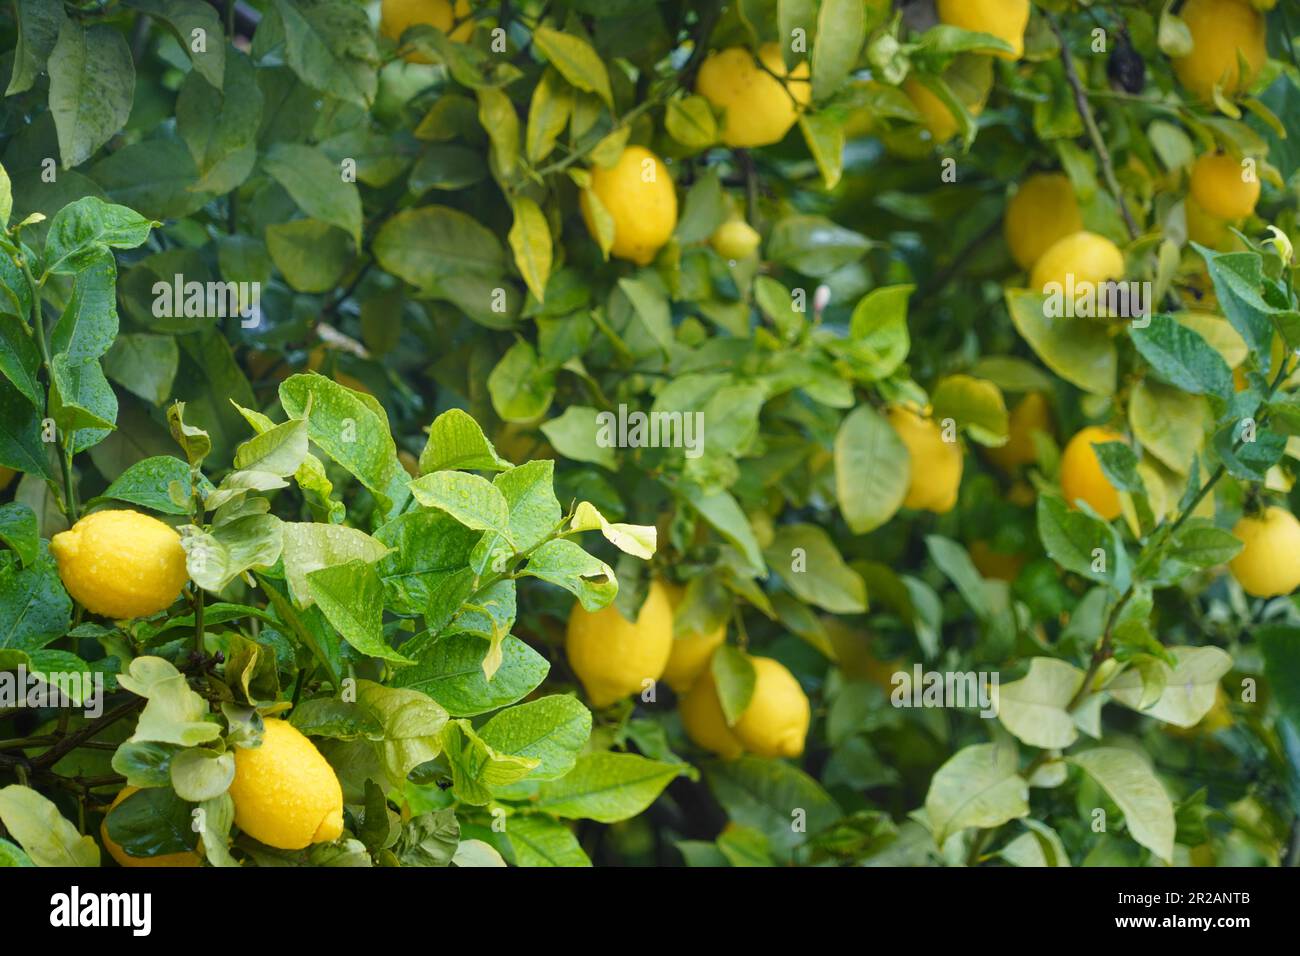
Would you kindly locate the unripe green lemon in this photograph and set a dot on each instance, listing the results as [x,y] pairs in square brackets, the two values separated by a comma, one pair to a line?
[691,652]
[1086,256]
[121,564]
[123,858]
[612,656]
[1043,211]
[641,200]
[1081,474]
[759,107]
[1004,19]
[397,16]
[936,464]
[286,794]
[735,240]
[776,721]
[704,722]
[1224,33]
[1268,563]
[1220,187]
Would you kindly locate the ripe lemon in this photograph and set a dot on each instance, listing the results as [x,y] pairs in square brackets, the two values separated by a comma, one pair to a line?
[6,476]
[121,564]
[613,656]
[1205,229]
[286,794]
[397,16]
[936,464]
[640,198]
[995,564]
[1221,188]
[704,722]
[1269,561]
[123,858]
[1086,256]
[691,652]
[736,239]
[1043,211]
[1081,474]
[1004,19]
[759,107]
[1030,415]
[936,115]
[776,721]
[1223,32]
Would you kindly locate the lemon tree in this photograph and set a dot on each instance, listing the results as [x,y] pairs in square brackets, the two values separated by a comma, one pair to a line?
[563,433]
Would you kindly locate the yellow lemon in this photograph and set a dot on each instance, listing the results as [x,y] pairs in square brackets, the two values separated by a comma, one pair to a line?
[936,464]
[761,103]
[613,656]
[736,239]
[1030,415]
[398,16]
[936,115]
[703,720]
[286,794]
[1222,188]
[1004,19]
[691,652]
[6,476]
[1269,561]
[1085,256]
[639,196]
[1224,32]
[995,564]
[125,859]
[1081,474]
[1206,229]
[121,564]
[776,721]
[1043,211]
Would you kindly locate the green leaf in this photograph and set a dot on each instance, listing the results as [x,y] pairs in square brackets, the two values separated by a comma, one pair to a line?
[309,547]
[451,672]
[153,822]
[46,836]
[521,387]
[824,135]
[39,22]
[145,364]
[540,841]
[722,512]
[878,339]
[473,501]
[607,787]
[811,566]
[953,560]
[814,245]
[432,243]
[530,238]
[690,121]
[651,307]
[1168,422]
[311,255]
[976,405]
[477,768]
[1189,687]
[574,435]
[496,114]
[563,563]
[148,483]
[82,231]
[979,786]
[771,796]
[841,31]
[199,774]
[351,597]
[215,558]
[1182,358]
[734,677]
[34,607]
[1238,278]
[704,209]
[548,112]
[412,726]
[551,730]
[1081,543]
[1081,352]
[317,185]
[1129,781]
[184,17]
[330,44]
[21,447]
[1035,708]
[174,714]
[576,61]
[92,86]
[19,530]
[457,442]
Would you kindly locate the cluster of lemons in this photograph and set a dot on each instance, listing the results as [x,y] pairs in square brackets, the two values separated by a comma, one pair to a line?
[615,658]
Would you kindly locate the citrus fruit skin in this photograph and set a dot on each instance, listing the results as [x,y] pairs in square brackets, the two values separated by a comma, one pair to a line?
[934,112]
[1086,256]
[995,564]
[125,859]
[936,464]
[775,723]
[1221,31]
[1209,231]
[1269,562]
[1081,474]
[640,198]
[121,564]
[613,656]
[760,108]
[397,16]
[1043,211]
[704,722]
[1031,414]
[1220,187]
[736,239]
[691,651]
[286,794]
[1004,19]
